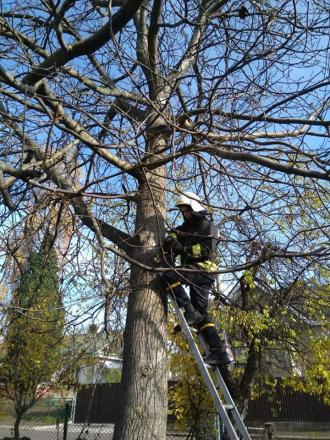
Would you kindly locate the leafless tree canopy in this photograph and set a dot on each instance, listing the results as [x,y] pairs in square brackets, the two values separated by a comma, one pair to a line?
[109,109]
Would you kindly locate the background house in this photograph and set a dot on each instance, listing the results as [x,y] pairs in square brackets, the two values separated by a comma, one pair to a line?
[98,401]
[283,404]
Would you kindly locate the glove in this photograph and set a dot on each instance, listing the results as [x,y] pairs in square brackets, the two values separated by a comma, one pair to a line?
[177,247]
[168,244]
[171,244]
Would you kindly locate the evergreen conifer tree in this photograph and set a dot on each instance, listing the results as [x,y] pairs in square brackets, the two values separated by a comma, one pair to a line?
[34,332]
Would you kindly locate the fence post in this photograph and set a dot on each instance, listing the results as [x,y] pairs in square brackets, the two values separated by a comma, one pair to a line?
[66,420]
[269,431]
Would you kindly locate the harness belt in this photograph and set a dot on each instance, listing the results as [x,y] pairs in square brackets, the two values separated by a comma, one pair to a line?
[172,286]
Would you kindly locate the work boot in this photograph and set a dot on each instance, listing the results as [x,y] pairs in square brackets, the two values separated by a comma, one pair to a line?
[220,353]
[193,317]
[218,357]
[177,329]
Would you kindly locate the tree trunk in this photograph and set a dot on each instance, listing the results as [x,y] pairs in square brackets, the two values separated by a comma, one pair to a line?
[144,379]
[248,378]
[17,425]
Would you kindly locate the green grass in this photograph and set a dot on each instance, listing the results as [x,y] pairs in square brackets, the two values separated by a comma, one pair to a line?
[6,411]
[45,412]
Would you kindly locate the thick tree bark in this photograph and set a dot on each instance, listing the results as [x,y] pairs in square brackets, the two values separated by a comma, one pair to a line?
[144,379]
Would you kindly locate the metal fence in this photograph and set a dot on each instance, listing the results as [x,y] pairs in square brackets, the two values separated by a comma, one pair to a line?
[48,419]
[35,431]
[51,419]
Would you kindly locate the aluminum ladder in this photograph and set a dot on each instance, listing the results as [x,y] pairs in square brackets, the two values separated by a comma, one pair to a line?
[227,410]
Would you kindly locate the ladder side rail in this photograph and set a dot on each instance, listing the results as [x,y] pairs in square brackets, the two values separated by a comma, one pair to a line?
[229,400]
[203,369]
[235,413]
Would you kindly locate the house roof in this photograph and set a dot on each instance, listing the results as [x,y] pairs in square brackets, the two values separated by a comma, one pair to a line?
[96,345]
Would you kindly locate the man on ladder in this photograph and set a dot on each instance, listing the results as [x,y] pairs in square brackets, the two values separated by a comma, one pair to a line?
[195,241]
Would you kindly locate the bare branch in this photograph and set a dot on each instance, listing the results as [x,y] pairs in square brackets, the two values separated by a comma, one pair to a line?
[84,47]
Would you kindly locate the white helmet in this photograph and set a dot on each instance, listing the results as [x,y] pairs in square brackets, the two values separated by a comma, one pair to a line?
[192,200]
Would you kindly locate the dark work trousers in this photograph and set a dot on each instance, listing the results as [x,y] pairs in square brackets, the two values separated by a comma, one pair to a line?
[199,284]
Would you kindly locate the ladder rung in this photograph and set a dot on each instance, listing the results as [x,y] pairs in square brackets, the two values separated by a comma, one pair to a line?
[228,412]
[213,367]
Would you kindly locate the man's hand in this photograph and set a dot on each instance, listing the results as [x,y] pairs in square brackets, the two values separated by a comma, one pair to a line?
[168,244]
[171,244]
[177,247]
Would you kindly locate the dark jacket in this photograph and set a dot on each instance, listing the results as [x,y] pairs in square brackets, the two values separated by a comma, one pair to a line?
[198,238]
